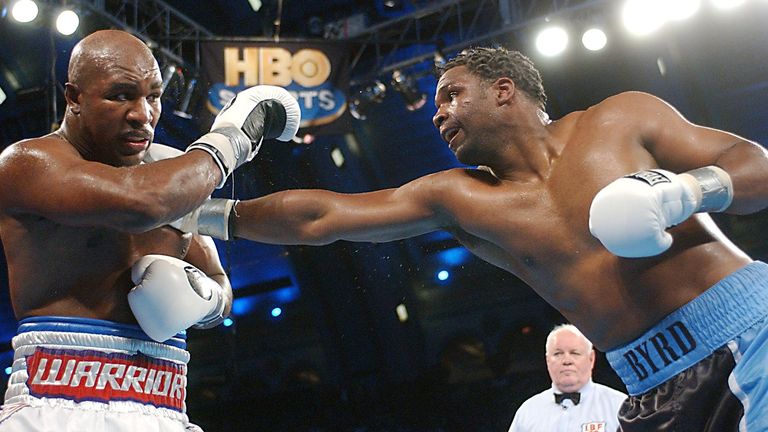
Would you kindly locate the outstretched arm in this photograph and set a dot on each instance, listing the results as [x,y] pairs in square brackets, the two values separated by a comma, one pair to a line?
[317,217]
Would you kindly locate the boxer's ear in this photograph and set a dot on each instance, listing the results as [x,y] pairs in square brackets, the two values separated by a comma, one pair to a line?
[72,95]
[504,90]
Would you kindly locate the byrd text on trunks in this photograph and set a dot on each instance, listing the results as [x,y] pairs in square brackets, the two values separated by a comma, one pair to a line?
[659,350]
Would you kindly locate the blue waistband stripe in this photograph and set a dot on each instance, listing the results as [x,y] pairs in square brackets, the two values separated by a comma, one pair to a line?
[93,326]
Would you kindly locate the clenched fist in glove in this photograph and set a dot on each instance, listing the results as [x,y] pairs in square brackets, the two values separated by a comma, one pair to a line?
[253,114]
[171,295]
[630,216]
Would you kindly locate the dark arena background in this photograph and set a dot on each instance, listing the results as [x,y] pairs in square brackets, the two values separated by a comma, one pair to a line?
[414,335]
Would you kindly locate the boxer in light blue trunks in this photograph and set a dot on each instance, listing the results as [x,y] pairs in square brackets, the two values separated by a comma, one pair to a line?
[603,212]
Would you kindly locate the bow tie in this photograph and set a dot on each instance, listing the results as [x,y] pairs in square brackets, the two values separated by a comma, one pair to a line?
[575,397]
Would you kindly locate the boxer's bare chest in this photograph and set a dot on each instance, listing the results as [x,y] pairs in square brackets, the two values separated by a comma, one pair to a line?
[530,229]
[55,266]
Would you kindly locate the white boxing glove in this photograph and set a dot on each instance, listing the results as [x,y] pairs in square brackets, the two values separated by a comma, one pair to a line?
[253,114]
[630,216]
[172,295]
[211,219]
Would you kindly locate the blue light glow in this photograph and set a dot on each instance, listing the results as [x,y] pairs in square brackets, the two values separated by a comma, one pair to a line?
[454,257]
[228,322]
[276,312]
[8,370]
[245,305]
[443,275]
[286,295]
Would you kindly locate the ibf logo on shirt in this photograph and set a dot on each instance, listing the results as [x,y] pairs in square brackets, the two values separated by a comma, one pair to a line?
[593,427]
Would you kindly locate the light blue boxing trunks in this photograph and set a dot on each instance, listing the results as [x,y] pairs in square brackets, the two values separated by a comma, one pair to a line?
[705,366]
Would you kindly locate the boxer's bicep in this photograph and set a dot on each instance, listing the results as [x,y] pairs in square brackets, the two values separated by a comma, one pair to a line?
[677,144]
[680,146]
[45,184]
[76,192]
[81,194]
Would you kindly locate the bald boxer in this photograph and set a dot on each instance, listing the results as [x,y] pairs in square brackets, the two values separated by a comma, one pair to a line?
[102,282]
[574,402]
[602,212]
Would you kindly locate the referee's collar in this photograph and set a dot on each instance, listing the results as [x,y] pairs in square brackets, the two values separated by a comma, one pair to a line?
[584,390]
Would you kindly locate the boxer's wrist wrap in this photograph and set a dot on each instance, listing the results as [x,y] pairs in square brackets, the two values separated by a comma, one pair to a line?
[229,146]
[232,217]
[214,218]
[716,188]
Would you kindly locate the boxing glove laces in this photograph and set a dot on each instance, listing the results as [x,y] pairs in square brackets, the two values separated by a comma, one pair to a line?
[630,215]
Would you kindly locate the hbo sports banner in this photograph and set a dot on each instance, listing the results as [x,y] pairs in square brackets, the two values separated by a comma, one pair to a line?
[316,73]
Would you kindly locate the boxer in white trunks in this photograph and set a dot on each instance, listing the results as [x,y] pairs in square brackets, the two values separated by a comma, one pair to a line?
[101,278]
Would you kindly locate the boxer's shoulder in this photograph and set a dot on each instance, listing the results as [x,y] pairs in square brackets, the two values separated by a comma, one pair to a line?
[45,149]
[629,107]
[452,181]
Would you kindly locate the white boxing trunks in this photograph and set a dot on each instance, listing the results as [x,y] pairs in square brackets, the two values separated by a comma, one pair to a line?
[74,374]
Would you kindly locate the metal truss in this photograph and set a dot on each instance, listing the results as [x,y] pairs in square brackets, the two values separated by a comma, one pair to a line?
[449,26]
[163,28]
[445,25]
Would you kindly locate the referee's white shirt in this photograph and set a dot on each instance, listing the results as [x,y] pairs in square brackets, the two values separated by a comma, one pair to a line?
[597,411]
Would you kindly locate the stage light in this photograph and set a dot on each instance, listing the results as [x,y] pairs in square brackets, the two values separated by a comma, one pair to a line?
[552,41]
[8,370]
[679,10]
[727,4]
[338,157]
[402,312]
[255,5]
[228,322]
[643,17]
[414,99]
[443,275]
[365,98]
[169,73]
[67,22]
[594,39]
[182,109]
[276,312]
[24,11]
[437,63]
[304,139]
